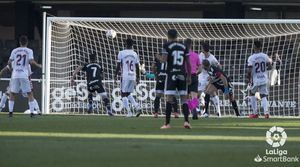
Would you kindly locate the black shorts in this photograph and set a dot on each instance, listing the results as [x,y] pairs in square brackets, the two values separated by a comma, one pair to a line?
[222,87]
[160,84]
[95,86]
[176,83]
[193,87]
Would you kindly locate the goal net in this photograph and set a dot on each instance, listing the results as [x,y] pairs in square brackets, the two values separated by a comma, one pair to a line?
[69,41]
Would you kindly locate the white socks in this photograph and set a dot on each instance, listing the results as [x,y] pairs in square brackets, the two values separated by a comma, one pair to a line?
[3,100]
[132,101]
[11,105]
[265,105]
[31,106]
[126,104]
[253,104]
[216,102]
[36,105]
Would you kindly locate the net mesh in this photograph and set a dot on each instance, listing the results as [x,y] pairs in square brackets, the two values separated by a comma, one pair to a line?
[232,42]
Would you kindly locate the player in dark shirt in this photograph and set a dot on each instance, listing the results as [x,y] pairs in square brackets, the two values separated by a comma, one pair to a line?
[218,80]
[178,75]
[160,71]
[94,83]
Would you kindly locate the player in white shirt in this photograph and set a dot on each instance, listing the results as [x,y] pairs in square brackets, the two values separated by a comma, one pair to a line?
[20,59]
[204,79]
[258,66]
[129,61]
[6,94]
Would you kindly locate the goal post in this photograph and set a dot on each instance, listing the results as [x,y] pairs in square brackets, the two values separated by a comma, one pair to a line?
[69,41]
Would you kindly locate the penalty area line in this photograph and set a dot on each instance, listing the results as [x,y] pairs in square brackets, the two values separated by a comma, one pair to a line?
[137,136]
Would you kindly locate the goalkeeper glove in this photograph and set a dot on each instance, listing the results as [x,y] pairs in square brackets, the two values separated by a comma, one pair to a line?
[150,75]
[226,90]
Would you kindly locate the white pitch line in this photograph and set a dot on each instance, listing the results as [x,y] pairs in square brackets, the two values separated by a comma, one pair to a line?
[137,136]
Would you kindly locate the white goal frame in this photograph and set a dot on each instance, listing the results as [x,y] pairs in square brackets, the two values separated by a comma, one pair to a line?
[47,25]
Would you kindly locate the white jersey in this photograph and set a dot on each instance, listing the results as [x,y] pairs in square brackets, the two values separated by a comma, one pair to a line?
[20,58]
[258,62]
[128,59]
[212,60]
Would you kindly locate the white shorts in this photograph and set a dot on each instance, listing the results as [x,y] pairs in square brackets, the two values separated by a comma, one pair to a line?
[262,89]
[203,82]
[127,86]
[20,84]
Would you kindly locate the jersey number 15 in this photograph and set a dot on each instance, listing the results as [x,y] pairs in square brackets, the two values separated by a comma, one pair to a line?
[177,57]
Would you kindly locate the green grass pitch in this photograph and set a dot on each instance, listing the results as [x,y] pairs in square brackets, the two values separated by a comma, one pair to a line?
[100,141]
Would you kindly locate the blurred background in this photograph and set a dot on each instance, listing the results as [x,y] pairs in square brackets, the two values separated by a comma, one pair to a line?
[25,16]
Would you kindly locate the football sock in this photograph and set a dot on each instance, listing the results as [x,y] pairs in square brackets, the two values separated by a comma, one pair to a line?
[175,105]
[132,101]
[168,113]
[264,103]
[156,104]
[36,105]
[185,110]
[216,102]
[253,104]
[3,100]
[90,98]
[11,105]
[31,106]
[235,107]
[125,104]
[106,104]
[207,99]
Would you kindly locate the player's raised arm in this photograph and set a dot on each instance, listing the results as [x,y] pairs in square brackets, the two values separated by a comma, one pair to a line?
[75,73]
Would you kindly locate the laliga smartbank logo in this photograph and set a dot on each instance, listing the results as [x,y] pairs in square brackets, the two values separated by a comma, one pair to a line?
[276,137]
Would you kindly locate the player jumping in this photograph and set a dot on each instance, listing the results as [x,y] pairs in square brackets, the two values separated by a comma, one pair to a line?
[94,83]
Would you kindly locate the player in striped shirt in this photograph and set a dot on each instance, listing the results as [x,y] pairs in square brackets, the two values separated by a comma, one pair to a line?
[218,80]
